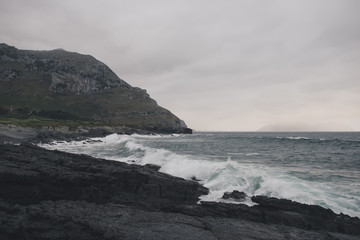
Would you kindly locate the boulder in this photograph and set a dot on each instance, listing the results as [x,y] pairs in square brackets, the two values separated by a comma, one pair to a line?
[235,195]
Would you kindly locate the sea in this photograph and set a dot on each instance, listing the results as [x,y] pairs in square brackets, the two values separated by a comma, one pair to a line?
[307,167]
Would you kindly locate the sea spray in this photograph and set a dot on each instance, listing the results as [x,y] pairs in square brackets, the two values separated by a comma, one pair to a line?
[300,168]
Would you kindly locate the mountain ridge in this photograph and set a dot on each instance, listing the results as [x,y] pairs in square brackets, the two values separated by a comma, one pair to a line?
[61,85]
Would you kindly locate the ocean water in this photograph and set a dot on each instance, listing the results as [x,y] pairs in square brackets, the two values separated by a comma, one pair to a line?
[312,168]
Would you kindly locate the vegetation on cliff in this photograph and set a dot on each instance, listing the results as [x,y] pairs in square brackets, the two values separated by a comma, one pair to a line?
[57,87]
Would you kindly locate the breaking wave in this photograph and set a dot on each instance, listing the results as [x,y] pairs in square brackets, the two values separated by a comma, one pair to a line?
[220,175]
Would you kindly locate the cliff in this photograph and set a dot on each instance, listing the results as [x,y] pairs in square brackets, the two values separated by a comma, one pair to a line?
[58,87]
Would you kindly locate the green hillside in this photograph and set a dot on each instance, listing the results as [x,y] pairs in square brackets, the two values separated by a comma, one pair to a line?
[47,88]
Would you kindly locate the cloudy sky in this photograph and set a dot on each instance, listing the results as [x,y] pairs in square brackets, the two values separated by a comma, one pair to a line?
[219,65]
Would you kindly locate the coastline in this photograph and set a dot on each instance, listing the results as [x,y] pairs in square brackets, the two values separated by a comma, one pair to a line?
[19,134]
[103,199]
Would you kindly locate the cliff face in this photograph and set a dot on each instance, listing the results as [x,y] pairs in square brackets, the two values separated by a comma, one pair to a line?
[69,72]
[62,85]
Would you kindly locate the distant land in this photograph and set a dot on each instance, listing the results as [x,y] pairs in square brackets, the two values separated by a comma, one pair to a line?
[58,88]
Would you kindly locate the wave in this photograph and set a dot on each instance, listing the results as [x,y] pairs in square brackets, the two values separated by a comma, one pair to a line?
[216,174]
[240,153]
[152,136]
[294,138]
[303,138]
[322,140]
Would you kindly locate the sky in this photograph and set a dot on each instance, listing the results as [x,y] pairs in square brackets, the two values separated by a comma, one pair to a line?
[235,65]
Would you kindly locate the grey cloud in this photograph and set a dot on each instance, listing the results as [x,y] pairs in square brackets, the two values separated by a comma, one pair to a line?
[231,65]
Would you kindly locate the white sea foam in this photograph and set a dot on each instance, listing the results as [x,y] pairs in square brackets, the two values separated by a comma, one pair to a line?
[156,136]
[252,154]
[301,138]
[246,154]
[294,138]
[298,138]
[219,176]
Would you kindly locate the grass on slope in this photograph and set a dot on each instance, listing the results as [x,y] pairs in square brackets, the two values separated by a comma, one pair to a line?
[39,122]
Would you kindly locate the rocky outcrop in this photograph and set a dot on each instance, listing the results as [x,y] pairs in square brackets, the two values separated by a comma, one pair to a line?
[283,211]
[64,85]
[70,72]
[81,220]
[235,195]
[56,195]
[17,134]
[49,175]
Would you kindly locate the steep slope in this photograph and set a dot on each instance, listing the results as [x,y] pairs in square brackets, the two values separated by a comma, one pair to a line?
[67,87]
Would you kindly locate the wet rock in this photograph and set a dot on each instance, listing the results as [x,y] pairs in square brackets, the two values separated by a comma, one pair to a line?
[235,195]
[195,179]
[29,174]
[305,216]
[56,195]
[153,166]
[83,220]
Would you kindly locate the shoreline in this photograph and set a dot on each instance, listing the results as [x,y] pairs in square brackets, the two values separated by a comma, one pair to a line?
[17,134]
[50,182]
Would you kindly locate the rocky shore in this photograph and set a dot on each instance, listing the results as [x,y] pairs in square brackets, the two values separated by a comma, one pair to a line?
[17,134]
[55,195]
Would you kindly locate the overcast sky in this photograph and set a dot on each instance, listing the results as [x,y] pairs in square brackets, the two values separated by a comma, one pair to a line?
[218,65]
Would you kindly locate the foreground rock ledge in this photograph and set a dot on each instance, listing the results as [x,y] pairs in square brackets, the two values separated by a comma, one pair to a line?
[56,195]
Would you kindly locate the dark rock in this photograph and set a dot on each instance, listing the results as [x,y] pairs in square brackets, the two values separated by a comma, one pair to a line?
[187,131]
[195,179]
[305,216]
[16,134]
[90,221]
[29,174]
[235,195]
[56,195]
[153,166]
